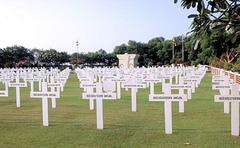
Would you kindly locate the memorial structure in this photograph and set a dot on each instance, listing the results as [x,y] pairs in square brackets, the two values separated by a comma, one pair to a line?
[127,60]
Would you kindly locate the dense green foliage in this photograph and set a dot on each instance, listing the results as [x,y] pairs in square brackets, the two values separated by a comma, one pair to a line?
[98,58]
[215,15]
[19,56]
[157,51]
[217,21]
[16,56]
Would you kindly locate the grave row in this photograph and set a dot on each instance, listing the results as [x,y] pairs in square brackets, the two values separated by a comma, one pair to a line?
[52,79]
[107,83]
[228,94]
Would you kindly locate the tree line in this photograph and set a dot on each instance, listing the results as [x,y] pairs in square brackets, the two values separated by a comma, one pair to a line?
[19,56]
[210,48]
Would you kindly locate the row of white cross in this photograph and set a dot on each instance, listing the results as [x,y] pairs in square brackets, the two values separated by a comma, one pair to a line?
[229,95]
[18,78]
[106,83]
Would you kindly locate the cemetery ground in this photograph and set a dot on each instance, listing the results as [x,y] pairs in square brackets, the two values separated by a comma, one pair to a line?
[73,124]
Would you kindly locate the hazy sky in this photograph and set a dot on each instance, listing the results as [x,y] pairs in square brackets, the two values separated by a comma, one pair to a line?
[96,24]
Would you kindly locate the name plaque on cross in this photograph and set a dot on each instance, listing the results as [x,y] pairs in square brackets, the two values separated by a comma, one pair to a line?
[177,86]
[32,79]
[215,87]
[5,79]
[99,96]
[60,79]
[40,77]
[44,94]
[134,85]
[54,85]
[17,84]
[190,80]
[224,98]
[198,74]
[163,97]
[119,80]
[3,94]
[216,77]
[108,77]
[83,80]
[87,85]
[217,80]
[152,80]
[196,77]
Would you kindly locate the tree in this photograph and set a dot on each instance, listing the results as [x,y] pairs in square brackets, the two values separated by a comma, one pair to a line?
[111,60]
[215,14]
[100,57]
[219,19]
[49,58]
[63,57]
[1,58]
[165,53]
[155,45]
[223,47]
[80,56]
[17,56]
[8,58]
[121,49]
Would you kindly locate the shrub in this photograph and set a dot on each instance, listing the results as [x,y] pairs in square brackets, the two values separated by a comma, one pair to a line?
[238,61]
[236,68]
[217,63]
[228,66]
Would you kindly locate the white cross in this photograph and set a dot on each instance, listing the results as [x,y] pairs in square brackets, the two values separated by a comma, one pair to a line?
[44,95]
[168,98]
[31,79]
[99,96]
[118,80]
[151,81]
[17,85]
[53,85]
[88,87]
[224,88]
[181,87]
[41,79]
[134,87]
[234,99]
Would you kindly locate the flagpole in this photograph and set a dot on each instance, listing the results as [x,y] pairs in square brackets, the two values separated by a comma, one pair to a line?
[77,53]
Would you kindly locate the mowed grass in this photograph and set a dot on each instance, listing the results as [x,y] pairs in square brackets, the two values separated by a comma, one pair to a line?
[72,124]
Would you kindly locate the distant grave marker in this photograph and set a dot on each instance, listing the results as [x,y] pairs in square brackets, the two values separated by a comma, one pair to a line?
[134,86]
[18,85]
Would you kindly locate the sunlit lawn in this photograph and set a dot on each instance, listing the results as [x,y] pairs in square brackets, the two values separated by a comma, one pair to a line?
[72,124]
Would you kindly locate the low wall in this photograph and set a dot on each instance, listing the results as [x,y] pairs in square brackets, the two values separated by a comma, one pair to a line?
[233,75]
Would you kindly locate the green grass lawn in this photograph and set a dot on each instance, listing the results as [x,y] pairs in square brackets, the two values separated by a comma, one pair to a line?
[72,124]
